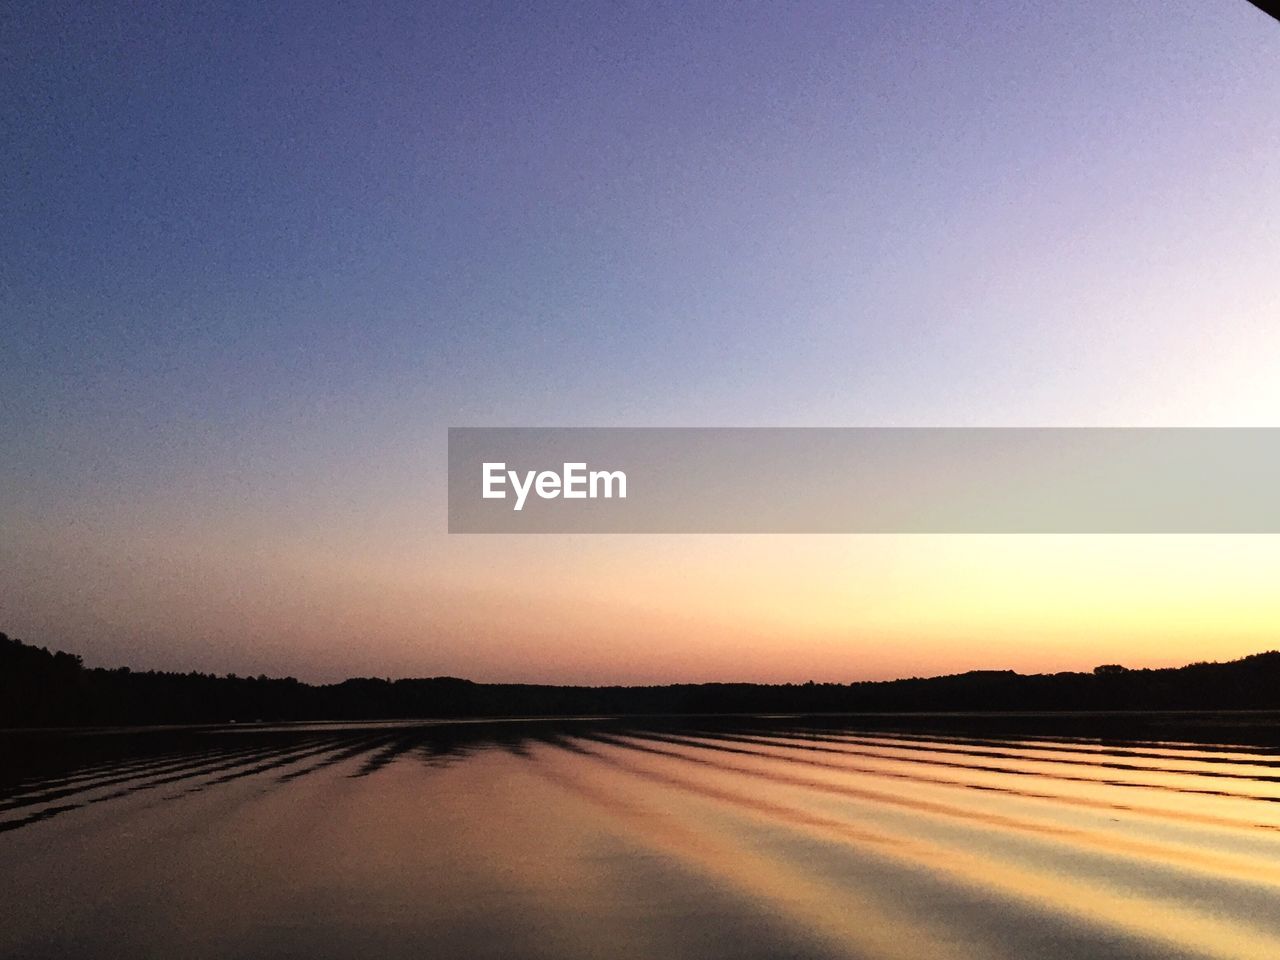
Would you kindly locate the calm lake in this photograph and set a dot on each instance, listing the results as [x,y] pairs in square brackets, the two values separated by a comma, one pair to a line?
[924,837]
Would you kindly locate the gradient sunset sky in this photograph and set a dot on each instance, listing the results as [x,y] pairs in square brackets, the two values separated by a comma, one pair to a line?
[258,257]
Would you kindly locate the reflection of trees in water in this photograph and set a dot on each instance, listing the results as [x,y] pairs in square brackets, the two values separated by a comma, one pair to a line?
[46,774]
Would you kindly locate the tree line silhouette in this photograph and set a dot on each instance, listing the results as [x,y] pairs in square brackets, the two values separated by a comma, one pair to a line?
[39,688]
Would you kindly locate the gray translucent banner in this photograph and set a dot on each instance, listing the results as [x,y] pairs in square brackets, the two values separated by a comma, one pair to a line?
[864,480]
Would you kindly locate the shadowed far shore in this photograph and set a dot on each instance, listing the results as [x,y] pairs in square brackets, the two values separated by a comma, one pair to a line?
[39,688]
[42,689]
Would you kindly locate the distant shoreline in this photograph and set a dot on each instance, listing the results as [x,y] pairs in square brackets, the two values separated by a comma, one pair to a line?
[394,722]
[43,689]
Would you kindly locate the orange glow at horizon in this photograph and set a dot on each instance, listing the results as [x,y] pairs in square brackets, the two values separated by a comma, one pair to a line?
[651,609]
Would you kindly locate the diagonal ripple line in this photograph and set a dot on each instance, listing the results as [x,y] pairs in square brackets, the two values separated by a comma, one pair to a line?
[984,768]
[1180,856]
[1097,903]
[838,915]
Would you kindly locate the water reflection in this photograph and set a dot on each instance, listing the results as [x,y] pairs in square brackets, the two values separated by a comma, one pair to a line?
[727,837]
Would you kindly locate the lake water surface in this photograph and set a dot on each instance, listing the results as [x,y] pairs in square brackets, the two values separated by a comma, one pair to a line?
[920,837]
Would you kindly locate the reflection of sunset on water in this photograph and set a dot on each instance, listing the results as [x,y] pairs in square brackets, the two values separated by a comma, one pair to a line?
[734,838]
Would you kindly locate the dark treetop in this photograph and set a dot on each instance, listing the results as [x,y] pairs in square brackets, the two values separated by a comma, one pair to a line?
[39,688]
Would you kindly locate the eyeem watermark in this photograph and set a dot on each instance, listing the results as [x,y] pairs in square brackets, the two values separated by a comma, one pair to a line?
[864,480]
[574,482]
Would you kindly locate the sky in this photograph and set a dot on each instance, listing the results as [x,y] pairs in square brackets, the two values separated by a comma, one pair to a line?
[255,259]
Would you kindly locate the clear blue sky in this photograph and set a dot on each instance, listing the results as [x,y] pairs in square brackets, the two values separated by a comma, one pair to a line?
[256,257]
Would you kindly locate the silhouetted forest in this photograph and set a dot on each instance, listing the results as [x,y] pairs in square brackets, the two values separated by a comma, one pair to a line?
[39,688]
